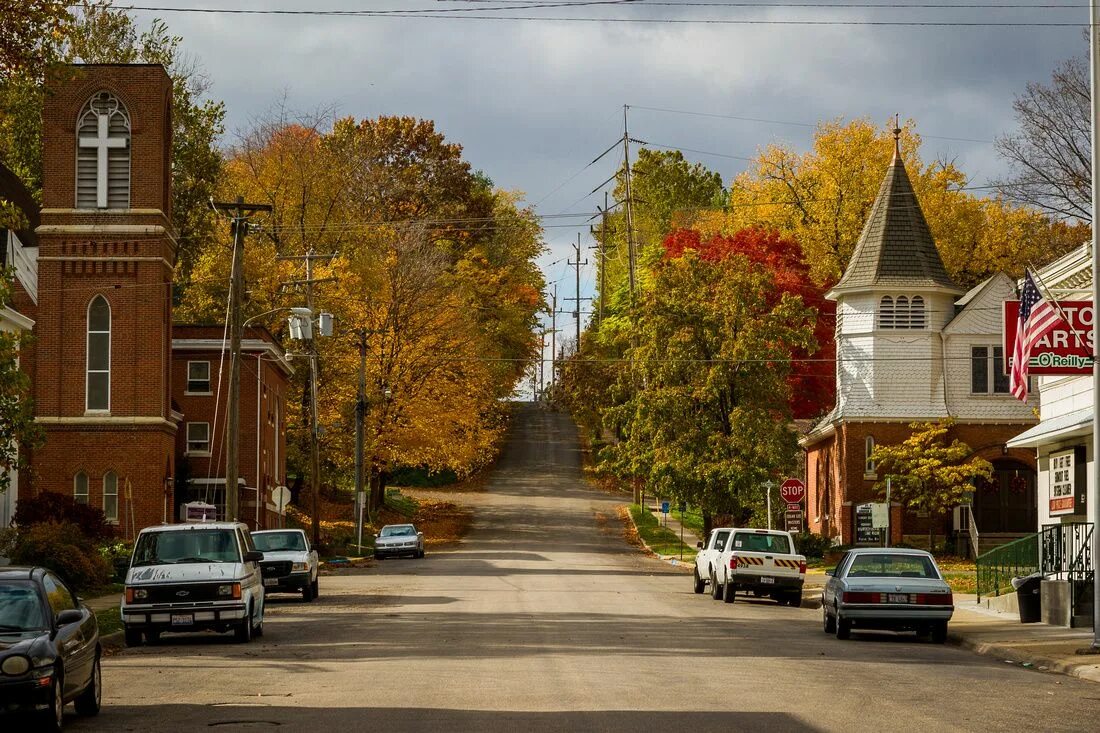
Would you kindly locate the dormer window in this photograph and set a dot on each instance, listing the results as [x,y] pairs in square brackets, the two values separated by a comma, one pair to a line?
[901,313]
[103,154]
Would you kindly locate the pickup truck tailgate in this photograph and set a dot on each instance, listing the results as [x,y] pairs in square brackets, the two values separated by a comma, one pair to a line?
[769,563]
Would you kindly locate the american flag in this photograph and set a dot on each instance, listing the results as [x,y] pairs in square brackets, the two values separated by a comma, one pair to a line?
[1037,318]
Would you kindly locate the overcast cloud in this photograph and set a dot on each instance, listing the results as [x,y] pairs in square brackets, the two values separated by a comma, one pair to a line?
[533,101]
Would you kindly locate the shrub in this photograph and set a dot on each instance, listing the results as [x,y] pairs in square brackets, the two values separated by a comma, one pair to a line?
[50,506]
[812,545]
[64,548]
[117,556]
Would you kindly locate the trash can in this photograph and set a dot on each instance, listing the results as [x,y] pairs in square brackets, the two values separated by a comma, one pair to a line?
[1027,594]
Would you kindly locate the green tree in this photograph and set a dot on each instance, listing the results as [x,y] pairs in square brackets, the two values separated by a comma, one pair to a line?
[27,30]
[17,426]
[707,418]
[929,474]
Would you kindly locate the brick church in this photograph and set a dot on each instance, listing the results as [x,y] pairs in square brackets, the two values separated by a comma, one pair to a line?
[912,346]
[131,404]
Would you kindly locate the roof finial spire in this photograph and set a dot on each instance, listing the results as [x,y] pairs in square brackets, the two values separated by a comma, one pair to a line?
[897,137]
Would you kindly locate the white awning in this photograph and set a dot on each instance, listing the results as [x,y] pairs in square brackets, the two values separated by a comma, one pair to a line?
[1071,425]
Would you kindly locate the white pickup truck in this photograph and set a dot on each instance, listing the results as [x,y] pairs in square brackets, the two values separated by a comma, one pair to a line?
[762,561]
[706,562]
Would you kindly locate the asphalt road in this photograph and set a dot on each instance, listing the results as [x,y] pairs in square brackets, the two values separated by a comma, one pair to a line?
[544,619]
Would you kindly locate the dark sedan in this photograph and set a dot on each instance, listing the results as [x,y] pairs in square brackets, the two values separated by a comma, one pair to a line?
[49,648]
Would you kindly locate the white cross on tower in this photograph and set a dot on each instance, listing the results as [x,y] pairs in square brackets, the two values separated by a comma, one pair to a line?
[102,142]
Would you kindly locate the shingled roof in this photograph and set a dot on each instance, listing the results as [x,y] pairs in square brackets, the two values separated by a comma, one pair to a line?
[896,249]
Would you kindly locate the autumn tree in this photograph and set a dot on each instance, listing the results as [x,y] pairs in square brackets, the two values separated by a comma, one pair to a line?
[28,28]
[707,416]
[1051,150]
[17,427]
[927,473]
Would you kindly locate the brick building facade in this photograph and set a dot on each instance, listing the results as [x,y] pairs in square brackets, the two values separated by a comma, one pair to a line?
[109,391]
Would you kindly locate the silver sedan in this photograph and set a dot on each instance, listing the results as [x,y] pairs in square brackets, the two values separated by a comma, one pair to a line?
[398,539]
[896,589]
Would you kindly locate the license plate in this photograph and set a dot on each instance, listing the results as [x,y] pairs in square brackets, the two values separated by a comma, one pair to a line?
[182,619]
[897,597]
[767,581]
[271,581]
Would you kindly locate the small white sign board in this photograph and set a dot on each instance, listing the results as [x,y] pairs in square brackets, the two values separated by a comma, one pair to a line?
[280,497]
[880,516]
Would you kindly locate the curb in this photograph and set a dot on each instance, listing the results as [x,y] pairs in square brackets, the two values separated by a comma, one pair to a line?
[114,640]
[672,560]
[992,649]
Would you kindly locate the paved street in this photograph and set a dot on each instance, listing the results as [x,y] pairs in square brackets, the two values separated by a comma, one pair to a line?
[545,620]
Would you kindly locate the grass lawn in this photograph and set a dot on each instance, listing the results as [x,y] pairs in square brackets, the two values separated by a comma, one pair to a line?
[109,620]
[398,502]
[660,539]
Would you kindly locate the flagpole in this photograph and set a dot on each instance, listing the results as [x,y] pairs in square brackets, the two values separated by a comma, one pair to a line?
[1094,499]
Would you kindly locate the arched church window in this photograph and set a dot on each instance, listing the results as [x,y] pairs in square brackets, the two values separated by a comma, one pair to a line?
[80,487]
[916,312]
[98,392]
[886,312]
[103,154]
[901,312]
[110,496]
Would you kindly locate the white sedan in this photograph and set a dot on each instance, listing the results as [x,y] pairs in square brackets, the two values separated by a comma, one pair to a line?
[398,539]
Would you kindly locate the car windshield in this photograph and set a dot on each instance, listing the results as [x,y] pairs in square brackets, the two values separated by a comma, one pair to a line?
[279,541]
[186,546]
[401,530]
[20,607]
[884,565]
[753,542]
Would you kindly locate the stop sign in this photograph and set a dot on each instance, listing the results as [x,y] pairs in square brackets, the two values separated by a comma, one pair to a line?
[793,491]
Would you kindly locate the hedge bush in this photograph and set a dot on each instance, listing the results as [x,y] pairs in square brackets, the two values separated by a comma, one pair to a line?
[64,548]
[50,506]
[812,545]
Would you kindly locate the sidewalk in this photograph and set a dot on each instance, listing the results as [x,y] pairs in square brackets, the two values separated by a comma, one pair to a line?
[690,538]
[102,603]
[1037,646]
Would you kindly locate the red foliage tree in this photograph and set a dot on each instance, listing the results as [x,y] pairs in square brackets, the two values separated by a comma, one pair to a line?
[813,378]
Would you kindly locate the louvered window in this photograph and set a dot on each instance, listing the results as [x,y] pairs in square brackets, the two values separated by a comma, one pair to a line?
[886,312]
[103,154]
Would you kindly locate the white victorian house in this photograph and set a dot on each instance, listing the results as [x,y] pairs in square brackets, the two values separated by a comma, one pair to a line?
[25,265]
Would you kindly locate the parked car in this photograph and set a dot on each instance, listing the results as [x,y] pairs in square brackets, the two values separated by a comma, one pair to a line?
[707,558]
[896,589]
[49,648]
[290,565]
[763,562]
[193,577]
[398,539]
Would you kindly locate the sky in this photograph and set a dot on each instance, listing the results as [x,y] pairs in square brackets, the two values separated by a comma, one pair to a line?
[533,101]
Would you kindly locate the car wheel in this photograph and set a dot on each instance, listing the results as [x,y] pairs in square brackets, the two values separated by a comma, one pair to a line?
[133,637]
[243,633]
[939,632]
[830,622]
[307,592]
[730,593]
[315,588]
[89,701]
[700,584]
[378,556]
[843,628]
[794,600]
[259,630]
[420,554]
[715,589]
[53,717]
[152,637]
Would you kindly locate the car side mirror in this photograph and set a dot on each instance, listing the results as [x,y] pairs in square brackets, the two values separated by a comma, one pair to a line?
[831,572]
[699,545]
[253,556]
[69,616]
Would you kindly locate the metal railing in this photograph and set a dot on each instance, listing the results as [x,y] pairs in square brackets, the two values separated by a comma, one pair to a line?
[999,566]
[1067,552]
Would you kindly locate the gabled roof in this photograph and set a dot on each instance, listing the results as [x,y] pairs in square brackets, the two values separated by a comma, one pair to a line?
[896,249]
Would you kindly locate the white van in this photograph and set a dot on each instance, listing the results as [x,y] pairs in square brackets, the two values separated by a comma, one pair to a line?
[193,577]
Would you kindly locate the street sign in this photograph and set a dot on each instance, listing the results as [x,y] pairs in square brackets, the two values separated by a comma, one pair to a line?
[793,491]
[880,517]
[280,497]
[665,506]
[794,507]
[792,521]
[1066,349]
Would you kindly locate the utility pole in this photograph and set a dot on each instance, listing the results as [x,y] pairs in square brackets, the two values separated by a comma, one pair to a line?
[1094,499]
[314,444]
[576,265]
[629,205]
[239,227]
[360,413]
[554,335]
[601,259]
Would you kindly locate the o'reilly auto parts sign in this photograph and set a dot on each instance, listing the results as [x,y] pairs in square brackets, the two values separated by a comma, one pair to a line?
[1065,350]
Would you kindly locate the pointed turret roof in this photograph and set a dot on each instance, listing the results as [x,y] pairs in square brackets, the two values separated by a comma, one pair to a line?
[896,249]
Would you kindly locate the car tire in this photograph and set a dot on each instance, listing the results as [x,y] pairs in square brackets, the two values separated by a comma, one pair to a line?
[307,592]
[132,636]
[243,633]
[843,628]
[152,637]
[939,632]
[794,600]
[729,593]
[420,554]
[379,557]
[315,588]
[259,630]
[715,589]
[53,717]
[700,584]
[829,621]
[91,699]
